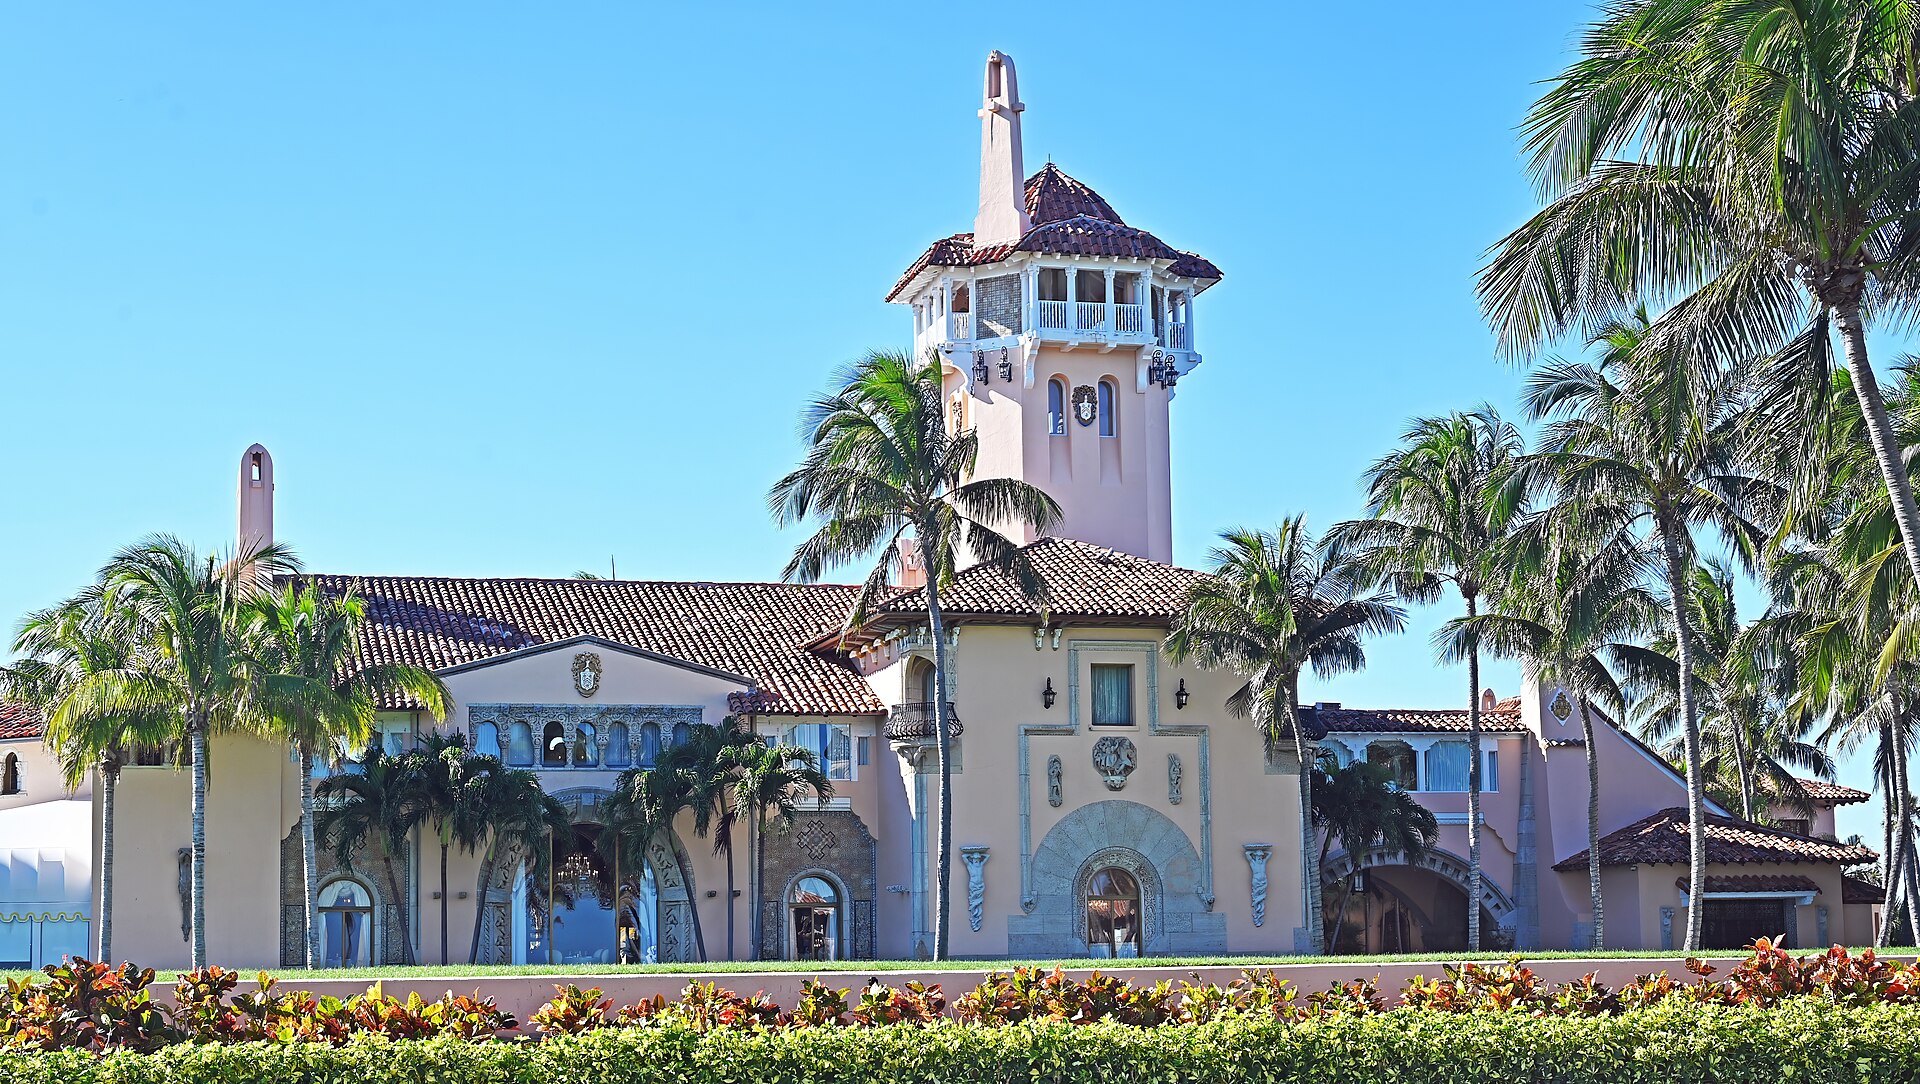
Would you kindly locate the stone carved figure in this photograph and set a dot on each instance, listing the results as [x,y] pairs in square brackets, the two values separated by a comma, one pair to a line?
[1257,855]
[1054,787]
[1113,758]
[1174,771]
[976,861]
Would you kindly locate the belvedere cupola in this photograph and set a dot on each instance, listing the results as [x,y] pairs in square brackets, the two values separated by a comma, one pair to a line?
[1063,331]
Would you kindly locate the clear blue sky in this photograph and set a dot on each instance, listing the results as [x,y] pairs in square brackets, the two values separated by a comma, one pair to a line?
[510,288]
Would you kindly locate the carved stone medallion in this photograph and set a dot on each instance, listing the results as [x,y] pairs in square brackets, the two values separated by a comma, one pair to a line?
[1085,406]
[586,673]
[1561,706]
[1113,758]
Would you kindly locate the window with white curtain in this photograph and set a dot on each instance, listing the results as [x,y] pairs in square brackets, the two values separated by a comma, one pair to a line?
[1447,766]
[832,743]
[1112,694]
[1490,769]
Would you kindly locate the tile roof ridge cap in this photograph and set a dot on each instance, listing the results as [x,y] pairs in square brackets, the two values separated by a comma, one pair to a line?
[439,578]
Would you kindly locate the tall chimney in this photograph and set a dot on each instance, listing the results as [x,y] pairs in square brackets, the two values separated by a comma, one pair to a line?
[1002,218]
[255,518]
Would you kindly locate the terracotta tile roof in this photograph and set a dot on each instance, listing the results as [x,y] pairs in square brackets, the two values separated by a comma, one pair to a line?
[1661,839]
[18,721]
[761,630]
[1052,196]
[1859,890]
[1822,791]
[1341,720]
[1511,703]
[1757,882]
[1083,582]
[1069,219]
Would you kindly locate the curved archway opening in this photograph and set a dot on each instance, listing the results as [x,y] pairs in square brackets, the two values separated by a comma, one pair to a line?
[1381,901]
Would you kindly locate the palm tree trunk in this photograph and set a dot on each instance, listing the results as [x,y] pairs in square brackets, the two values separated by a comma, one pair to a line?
[1742,769]
[197,743]
[109,780]
[1690,723]
[1593,829]
[943,861]
[1892,864]
[728,850]
[445,955]
[401,910]
[487,859]
[1474,888]
[309,859]
[1873,412]
[1309,868]
[1910,880]
[760,882]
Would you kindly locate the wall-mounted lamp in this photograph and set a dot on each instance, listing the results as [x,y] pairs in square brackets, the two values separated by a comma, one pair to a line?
[1047,695]
[979,369]
[1180,696]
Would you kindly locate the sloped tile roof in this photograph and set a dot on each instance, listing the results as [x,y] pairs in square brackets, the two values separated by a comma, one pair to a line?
[761,630]
[1069,219]
[1822,791]
[1757,882]
[1407,720]
[1857,890]
[1661,839]
[1083,582]
[18,721]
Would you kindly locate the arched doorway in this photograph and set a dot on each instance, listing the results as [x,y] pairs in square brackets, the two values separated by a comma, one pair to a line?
[1383,901]
[600,914]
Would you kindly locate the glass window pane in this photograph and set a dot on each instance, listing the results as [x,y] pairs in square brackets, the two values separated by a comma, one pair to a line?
[649,744]
[1447,766]
[486,739]
[586,751]
[1490,770]
[619,746]
[1108,426]
[1056,408]
[519,744]
[1112,695]
[553,745]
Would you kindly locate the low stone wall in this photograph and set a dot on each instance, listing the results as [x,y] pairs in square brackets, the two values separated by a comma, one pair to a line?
[523,994]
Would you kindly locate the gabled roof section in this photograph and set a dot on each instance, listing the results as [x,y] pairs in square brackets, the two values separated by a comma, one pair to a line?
[1661,839]
[1083,583]
[1052,196]
[1340,720]
[1069,219]
[19,722]
[755,630]
[1822,791]
[587,640]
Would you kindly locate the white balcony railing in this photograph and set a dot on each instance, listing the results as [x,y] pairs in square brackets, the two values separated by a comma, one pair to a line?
[1176,338]
[960,326]
[1053,314]
[1089,315]
[1127,319]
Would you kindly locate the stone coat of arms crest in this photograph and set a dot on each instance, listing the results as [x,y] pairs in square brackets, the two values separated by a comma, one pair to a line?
[1085,406]
[1113,758]
[586,673]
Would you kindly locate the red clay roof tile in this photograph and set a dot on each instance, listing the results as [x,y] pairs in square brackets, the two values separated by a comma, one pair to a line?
[18,721]
[1661,839]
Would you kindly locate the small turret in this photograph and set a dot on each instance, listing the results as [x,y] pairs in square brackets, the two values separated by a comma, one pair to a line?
[1002,218]
[255,516]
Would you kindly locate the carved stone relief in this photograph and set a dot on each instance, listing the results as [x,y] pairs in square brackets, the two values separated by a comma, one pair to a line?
[976,862]
[1113,758]
[1055,790]
[1174,772]
[1257,855]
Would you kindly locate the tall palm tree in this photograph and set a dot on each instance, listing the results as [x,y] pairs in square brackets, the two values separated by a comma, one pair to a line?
[318,695]
[193,658]
[1359,805]
[516,816]
[1274,605]
[1646,443]
[446,789]
[1569,602]
[709,763]
[883,465]
[643,807]
[770,781]
[1434,525]
[368,806]
[1750,162]
[59,649]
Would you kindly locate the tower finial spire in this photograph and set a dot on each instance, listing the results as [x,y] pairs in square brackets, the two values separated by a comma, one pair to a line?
[1003,202]
[255,526]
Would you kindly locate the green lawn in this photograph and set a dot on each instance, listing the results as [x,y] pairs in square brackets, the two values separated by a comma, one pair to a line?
[861,968]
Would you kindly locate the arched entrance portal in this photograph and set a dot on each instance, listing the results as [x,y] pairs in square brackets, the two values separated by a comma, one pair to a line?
[1382,901]
[600,914]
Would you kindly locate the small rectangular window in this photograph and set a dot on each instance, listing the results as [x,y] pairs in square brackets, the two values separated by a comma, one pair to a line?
[1112,694]
[1490,771]
[864,747]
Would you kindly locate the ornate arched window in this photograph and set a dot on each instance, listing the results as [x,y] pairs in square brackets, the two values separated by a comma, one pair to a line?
[813,910]
[1109,425]
[346,924]
[649,744]
[486,739]
[1398,758]
[553,745]
[682,733]
[10,774]
[519,744]
[619,745]
[1113,914]
[1056,407]
[586,754]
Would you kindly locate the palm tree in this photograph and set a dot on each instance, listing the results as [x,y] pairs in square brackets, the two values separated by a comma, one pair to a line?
[1643,443]
[1569,603]
[1434,525]
[369,804]
[708,762]
[769,783]
[883,465]
[60,649]
[1749,161]
[643,807]
[192,655]
[446,787]
[319,695]
[1274,605]
[1359,805]
[516,816]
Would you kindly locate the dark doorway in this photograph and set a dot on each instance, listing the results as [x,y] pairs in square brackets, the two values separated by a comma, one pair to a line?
[1733,924]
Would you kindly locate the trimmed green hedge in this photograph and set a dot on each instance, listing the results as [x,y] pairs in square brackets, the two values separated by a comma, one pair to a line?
[1801,1040]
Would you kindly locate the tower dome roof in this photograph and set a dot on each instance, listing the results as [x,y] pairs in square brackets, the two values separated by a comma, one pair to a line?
[1052,195]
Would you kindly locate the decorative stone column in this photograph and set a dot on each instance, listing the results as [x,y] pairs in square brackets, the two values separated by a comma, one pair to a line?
[975,858]
[1257,855]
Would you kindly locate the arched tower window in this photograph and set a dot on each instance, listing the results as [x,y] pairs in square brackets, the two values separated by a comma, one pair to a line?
[553,745]
[1056,407]
[1109,425]
[1113,914]
[10,774]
